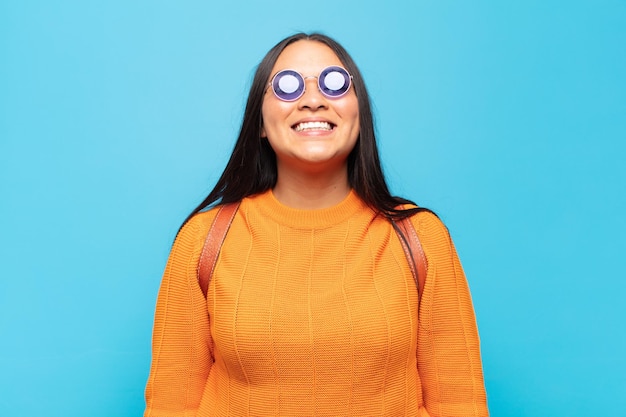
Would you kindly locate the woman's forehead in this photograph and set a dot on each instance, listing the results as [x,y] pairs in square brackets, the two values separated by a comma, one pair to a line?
[306,56]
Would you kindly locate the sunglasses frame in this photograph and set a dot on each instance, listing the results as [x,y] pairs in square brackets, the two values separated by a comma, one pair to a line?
[273,84]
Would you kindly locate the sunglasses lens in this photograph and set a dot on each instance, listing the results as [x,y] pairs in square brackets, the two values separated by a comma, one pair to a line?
[334,81]
[288,85]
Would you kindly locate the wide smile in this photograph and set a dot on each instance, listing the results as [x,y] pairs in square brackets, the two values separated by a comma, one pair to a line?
[311,126]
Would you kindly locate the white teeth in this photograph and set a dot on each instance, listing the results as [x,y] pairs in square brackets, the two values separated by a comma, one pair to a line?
[313,126]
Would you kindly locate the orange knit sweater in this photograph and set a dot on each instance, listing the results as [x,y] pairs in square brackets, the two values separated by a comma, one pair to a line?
[314,313]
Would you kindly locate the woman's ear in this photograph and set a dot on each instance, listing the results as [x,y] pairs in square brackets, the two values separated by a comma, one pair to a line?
[263,134]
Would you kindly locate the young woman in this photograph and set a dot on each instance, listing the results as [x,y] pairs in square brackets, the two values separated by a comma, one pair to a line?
[312,308]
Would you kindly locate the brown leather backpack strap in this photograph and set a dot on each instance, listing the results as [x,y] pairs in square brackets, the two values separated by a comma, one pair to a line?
[413,251]
[213,244]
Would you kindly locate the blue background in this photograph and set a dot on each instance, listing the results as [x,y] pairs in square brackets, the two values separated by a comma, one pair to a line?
[508,118]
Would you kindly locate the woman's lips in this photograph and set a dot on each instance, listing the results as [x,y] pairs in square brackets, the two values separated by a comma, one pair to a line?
[316,125]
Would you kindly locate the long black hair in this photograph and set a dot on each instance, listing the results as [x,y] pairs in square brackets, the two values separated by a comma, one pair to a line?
[251,168]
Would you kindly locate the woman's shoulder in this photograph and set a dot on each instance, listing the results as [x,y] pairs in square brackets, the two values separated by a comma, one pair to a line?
[424,218]
[429,226]
[198,225]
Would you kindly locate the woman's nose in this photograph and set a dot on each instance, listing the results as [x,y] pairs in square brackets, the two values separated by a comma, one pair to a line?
[312,97]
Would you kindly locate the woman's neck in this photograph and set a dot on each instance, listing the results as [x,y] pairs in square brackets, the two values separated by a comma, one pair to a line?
[311,190]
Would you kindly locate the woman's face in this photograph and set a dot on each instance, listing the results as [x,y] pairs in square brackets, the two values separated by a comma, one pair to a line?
[297,142]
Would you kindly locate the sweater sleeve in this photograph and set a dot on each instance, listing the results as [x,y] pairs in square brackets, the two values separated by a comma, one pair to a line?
[448,352]
[181,345]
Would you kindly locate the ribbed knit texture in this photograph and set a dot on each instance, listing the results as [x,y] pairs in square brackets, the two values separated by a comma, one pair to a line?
[314,313]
